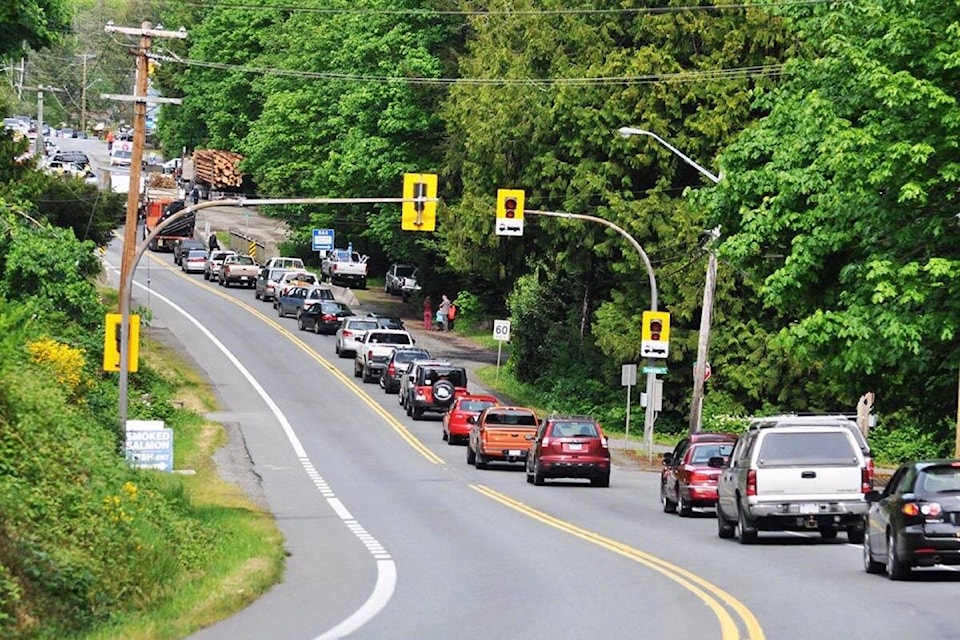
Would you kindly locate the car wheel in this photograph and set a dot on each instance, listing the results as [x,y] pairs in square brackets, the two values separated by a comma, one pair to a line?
[669,506]
[409,409]
[828,534]
[869,564]
[601,481]
[855,536]
[745,533]
[363,283]
[683,507]
[471,455]
[280,312]
[724,528]
[417,413]
[386,289]
[206,276]
[444,436]
[896,568]
[316,328]
[356,370]
[300,324]
[257,295]
[481,461]
[538,478]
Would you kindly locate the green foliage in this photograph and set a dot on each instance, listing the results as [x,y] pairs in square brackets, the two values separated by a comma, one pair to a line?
[31,23]
[470,310]
[896,439]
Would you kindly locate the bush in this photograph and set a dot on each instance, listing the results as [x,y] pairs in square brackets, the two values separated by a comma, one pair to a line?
[894,441]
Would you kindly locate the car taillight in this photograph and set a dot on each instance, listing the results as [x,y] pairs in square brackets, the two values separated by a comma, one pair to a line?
[370,354]
[347,333]
[328,318]
[930,510]
[752,482]
[866,477]
[545,442]
[870,472]
[699,476]
[391,369]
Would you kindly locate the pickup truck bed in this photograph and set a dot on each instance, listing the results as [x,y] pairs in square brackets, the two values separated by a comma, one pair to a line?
[240,270]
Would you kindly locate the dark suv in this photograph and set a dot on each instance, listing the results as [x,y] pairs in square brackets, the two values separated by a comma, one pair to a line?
[397,365]
[569,447]
[434,388]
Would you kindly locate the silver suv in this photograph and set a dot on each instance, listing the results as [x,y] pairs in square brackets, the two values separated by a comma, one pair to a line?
[784,475]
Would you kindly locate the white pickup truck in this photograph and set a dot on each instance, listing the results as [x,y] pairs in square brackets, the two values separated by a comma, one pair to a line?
[785,475]
[342,266]
[375,350]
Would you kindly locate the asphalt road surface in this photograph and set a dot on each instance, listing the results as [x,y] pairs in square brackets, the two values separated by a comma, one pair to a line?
[392,535]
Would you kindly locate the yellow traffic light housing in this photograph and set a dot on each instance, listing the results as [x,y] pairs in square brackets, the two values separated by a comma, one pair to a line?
[111,343]
[420,214]
[510,204]
[655,334]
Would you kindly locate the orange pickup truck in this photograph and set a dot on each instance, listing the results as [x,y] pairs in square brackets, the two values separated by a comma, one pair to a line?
[501,434]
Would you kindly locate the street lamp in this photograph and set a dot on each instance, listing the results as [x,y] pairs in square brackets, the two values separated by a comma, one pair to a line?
[703,343]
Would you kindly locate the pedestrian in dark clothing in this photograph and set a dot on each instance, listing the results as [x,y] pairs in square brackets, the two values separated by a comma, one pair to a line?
[213,243]
[195,195]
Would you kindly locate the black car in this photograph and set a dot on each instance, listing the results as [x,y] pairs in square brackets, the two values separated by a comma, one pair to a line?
[184,246]
[323,317]
[71,156]
[915,521]
[397,366]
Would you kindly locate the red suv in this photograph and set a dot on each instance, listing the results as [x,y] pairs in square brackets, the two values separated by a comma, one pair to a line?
[569,447]
[434,388]
[687,481]
[456,421]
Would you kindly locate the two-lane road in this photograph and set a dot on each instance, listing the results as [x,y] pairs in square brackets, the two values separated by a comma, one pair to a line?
[393,535]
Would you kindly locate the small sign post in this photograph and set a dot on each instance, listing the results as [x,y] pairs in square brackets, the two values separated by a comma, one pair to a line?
[628,378]
[501,333]
[149,445]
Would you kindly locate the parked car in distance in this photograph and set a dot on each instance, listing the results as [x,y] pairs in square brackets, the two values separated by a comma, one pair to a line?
[344,267]
[194,261]
[211,270]
[295,299]
[185,245]
[267,283]
[434,387]
[401,280]
[456,420]
[569,447]
[687,480]
[397,366]
[783,477]
[499,434]
[350,335]
[120,158]
[915,521]
[323,317]
[71,155]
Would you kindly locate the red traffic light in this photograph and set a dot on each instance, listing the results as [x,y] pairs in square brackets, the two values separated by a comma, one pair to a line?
[510,206]
[655,328]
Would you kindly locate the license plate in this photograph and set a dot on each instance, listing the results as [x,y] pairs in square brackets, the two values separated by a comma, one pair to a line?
[809,508]
[514,452]
[243,277]
[575,446]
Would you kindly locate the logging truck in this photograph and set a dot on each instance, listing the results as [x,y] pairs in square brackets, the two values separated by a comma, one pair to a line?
[215,170]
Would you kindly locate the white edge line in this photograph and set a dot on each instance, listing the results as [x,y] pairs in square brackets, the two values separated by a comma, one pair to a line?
[386,569]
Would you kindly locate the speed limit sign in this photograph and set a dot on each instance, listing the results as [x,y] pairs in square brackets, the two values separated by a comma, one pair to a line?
[501,330]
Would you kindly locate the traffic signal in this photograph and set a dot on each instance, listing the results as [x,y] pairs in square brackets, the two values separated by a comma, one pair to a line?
[655,334]
[420,213]
[510,204]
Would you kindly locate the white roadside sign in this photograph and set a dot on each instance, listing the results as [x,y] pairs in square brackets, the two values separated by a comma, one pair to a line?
[501,330]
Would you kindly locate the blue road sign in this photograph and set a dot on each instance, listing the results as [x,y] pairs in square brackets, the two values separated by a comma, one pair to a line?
[323,239]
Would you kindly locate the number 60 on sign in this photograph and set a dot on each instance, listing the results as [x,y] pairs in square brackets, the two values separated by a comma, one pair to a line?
[501,330]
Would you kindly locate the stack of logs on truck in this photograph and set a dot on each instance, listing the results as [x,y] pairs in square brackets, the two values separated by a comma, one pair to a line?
[216,171]
[159,201]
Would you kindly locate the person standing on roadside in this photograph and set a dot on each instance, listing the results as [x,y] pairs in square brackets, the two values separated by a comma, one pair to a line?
[213,243]
[451,315]
[427,314]
[443,311]
[110,138]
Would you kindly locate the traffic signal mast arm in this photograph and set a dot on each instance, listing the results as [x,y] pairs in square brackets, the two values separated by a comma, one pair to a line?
[630,239]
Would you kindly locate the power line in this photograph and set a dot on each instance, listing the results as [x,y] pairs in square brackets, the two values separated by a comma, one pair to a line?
[212,4]
[679,77]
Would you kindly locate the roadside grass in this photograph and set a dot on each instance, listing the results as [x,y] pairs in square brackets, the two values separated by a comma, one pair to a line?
[243,561]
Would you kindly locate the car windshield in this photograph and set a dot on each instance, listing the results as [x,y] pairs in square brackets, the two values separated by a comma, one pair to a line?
[703,452]
[197,254]
[817,447]
[120,153]
[569,429]
[333,307]
[409,356]
[939,479]
[276,274]
[388,338]
[474,405]
[405,271]
[243,260]
[320,294]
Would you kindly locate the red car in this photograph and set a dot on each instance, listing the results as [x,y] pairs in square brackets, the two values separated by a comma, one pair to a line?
[569,447]
[456,427]
[686,480]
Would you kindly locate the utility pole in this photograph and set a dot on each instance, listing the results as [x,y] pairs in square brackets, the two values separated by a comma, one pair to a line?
[83,89]
[146,32]
[703,343]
